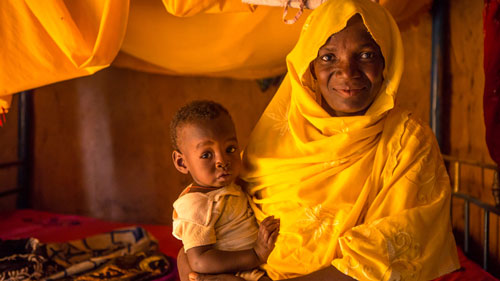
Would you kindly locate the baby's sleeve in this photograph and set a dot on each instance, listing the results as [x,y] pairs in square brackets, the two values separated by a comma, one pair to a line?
[193,222]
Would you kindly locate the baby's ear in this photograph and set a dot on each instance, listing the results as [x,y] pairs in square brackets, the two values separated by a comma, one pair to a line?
[179,162]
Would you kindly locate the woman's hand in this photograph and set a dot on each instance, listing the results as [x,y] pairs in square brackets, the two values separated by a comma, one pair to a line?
[268,233]
[186,273]
[193,276]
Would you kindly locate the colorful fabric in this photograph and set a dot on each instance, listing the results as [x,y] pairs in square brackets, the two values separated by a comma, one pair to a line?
[123,254]
[367,194]
[22,259]
[221,217]
[82,255]
[136,267]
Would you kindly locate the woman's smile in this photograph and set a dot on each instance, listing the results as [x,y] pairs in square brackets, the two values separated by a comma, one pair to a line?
[350,92]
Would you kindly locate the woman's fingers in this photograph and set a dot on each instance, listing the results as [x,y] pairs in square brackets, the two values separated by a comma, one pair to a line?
[273,237]
[274,225]
[264,234]
[268,231]
[270,223]
[271,226]
[193,276]
[267,220]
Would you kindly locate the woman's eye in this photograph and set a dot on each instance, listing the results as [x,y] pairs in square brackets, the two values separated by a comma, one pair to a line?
[367,55]
[231,149]
[327,58]
[206,155]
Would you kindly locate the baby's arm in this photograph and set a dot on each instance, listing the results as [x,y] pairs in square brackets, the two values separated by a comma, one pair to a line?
[207,259]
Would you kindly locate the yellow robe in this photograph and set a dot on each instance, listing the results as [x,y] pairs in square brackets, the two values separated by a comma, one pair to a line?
[367,194]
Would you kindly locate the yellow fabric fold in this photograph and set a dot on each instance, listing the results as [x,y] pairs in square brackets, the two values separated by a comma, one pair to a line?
[188,8]
[218,38]
[360,193]
[46,42]
[244,44]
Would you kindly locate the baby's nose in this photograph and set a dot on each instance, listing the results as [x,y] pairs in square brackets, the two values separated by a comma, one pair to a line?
[222,165]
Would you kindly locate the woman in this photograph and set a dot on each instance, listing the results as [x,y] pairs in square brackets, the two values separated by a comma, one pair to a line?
[359,186]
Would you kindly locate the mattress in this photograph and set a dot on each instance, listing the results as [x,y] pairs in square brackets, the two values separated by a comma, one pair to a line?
[50,227]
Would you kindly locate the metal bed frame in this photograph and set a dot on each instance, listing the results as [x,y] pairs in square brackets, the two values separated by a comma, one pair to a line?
[468,200]
[440,14]
[24,151]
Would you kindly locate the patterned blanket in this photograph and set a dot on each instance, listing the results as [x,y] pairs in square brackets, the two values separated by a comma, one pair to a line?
[124,254]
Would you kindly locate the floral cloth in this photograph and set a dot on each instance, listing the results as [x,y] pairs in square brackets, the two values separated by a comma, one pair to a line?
[123,254]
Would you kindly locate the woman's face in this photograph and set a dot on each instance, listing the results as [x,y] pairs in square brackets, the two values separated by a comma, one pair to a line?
[349,70]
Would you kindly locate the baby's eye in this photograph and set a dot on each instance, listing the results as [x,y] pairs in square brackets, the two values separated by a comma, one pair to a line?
[231,149]
[206,155]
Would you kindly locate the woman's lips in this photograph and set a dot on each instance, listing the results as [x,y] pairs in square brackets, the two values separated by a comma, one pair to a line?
[350,92]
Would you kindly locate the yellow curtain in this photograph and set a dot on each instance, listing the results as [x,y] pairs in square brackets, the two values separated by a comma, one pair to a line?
[187,8]
[49,41]
[239,42]
[247,44]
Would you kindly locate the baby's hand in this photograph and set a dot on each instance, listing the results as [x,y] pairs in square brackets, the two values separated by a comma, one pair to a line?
[268,233]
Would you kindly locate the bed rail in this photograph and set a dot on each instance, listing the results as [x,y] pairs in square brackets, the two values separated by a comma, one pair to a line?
[486,208]
[24,161]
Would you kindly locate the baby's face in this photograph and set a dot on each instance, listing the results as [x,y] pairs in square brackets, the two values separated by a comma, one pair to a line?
[210,151]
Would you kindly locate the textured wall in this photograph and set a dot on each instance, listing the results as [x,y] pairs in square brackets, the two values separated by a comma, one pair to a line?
[102,146]
[415,84]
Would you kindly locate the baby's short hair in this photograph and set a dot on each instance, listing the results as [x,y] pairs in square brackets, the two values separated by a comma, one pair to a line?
[194,112]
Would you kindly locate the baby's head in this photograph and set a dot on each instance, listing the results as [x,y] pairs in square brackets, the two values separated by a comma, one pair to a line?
[205,144]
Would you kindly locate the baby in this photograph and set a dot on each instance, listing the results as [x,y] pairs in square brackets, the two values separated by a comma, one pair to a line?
[212,216]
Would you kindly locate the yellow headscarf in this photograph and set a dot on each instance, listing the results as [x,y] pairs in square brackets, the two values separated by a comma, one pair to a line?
[361,193]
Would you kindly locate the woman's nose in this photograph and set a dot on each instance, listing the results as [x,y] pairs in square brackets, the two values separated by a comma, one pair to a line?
[347,69]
